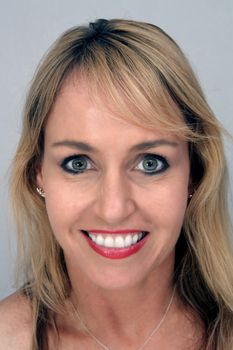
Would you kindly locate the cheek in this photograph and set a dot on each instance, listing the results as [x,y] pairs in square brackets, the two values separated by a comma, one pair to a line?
[65,208]
[173,214]
[168,203]
[166,220]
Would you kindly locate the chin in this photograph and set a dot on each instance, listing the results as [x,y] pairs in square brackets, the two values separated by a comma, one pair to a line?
[118,280]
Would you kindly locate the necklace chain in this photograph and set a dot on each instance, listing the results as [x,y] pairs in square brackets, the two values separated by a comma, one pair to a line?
[155,330]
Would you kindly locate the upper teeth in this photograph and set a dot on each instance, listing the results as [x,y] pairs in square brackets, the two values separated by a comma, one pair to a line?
[116,241]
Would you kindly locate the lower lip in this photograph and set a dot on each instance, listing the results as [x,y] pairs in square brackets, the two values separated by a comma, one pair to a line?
[117,253]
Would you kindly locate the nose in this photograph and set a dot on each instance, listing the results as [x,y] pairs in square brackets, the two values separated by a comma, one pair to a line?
[114,202]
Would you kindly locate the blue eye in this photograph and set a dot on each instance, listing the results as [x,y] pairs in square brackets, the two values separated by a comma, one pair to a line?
[76,164]
[152,164]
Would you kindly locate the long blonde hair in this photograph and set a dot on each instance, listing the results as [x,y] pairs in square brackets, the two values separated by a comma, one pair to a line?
[140,70]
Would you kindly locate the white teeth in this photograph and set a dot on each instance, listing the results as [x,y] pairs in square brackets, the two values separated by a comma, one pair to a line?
[93,237]
[113,241]
[128,241]
[109,242]
[135,238]
[119,242]
[99,240]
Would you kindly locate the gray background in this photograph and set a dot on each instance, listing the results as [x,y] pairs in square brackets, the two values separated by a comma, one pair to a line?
[203,28]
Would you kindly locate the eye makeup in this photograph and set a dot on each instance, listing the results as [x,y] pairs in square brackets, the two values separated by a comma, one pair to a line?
[148,164]
[76,164]
[152,164]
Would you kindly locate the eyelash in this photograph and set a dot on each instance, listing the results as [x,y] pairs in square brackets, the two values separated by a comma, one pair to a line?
[161,162]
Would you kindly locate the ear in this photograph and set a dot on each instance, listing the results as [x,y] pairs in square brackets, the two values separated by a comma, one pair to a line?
[39,176]
[191,187]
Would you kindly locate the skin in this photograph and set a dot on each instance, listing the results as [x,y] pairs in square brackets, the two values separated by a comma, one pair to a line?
[116,193]
[113,194]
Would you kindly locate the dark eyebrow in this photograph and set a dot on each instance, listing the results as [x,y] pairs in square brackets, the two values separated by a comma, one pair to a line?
[75,144]
[139,147]
[155,143]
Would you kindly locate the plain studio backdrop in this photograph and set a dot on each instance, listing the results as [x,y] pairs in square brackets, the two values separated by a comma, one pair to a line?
[203,29]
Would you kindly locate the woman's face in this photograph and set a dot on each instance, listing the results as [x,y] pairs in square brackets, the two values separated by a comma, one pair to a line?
[124,185]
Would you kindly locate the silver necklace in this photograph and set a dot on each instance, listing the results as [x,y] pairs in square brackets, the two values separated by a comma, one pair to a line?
[155,330]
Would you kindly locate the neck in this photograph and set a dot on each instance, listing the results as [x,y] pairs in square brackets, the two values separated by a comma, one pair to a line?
[114,310]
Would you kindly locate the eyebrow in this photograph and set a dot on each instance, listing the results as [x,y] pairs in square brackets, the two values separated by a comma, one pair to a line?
[138,147]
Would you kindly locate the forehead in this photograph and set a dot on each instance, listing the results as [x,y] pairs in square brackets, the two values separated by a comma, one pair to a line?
[76,113]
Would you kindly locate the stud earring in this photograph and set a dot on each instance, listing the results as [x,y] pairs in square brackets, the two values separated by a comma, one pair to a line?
[41,192]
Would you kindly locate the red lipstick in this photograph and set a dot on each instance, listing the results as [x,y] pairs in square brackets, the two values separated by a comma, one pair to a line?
[115,253]
[114,232]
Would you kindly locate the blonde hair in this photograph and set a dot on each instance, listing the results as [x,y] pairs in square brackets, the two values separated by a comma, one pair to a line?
[141,71]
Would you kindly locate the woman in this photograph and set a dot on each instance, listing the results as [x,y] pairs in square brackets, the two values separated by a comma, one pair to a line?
[119,192]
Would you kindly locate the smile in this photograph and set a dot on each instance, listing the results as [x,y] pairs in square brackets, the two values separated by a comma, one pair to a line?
[116,245]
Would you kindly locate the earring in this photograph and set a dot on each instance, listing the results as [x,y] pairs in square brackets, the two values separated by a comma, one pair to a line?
[41,192]
[190,195]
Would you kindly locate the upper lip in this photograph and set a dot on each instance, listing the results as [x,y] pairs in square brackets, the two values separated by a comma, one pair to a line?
[115,231]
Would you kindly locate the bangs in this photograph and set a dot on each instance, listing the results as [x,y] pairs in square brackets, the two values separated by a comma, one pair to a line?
[133,88]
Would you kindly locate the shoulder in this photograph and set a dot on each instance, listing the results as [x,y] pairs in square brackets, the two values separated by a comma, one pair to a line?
[15,323]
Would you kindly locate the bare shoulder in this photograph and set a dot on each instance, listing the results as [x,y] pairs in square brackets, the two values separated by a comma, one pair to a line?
[15,323]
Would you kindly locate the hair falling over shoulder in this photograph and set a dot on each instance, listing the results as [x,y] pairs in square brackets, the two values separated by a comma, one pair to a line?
[141,70]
